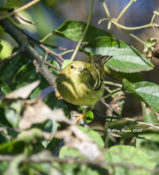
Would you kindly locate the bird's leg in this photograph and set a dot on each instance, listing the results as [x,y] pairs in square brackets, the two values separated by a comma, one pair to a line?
[81,115]
[58,95]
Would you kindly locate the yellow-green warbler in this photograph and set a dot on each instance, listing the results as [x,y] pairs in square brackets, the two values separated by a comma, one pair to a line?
[81,83]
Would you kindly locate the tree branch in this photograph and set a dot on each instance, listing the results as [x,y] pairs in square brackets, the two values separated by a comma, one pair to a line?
[29,50]
[101,164]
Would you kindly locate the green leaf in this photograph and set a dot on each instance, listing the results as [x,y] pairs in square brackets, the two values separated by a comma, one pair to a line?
[128,156]
[78,169]
[4,87]
[3,166]
[54,103]
[132,77]
[12,113]
[156,12]
[11,67]
[66,151]
[29,135]
[128,86]
[12,148]
[125,57]
[89,116]
[1,47]
[73,30]
[145,91]
[14,164]
[54,63]
[12,3]
[6,49]
[149,93]
[12,117]
[26,73]
[148,143]
[65,63]
[93,135]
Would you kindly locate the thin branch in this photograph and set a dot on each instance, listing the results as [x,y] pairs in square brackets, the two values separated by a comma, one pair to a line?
[107,13]
[106,9]
[85,31]
[135,37]
[66,52]
[131,28]
[122,27]
[50,52]
[45,44]
[124,10]
[46,37]
[49,64]
[47,50]
[19,9]
[109,107]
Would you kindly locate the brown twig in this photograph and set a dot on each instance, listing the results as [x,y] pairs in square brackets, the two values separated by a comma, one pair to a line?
[109,107]
[101,164]
[49,64]
[45,44]
[52,53]
[47,50]
[19,9]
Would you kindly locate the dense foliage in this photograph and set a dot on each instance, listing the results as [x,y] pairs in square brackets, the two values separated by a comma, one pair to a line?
[37,132]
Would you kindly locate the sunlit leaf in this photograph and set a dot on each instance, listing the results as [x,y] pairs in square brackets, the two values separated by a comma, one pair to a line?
[145,91]
[73,30]
[6,49]
[125,57]
[128,155]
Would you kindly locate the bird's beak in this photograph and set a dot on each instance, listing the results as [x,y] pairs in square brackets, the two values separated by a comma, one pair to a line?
[82,70]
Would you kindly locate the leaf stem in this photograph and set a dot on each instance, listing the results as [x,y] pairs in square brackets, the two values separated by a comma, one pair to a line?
[112,92]
[106,9]
[46,37]
[66,52]
[131,28]
[124,10]
[84,33]
[112,83]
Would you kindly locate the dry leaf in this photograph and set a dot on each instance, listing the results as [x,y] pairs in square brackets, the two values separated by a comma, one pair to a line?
[77,139]
[37,112]
[23,92]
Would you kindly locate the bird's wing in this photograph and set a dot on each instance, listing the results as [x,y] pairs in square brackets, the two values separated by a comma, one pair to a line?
[98,62]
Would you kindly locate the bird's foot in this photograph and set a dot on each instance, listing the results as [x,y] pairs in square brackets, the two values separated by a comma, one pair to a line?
[79,117]
[58,95]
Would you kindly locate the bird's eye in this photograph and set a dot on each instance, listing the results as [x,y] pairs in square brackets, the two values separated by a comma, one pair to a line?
[72,66]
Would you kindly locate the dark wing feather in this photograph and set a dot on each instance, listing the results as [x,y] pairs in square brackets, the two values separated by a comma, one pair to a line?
[98,62]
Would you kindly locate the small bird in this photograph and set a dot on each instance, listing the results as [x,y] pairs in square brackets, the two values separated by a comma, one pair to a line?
[81,83]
